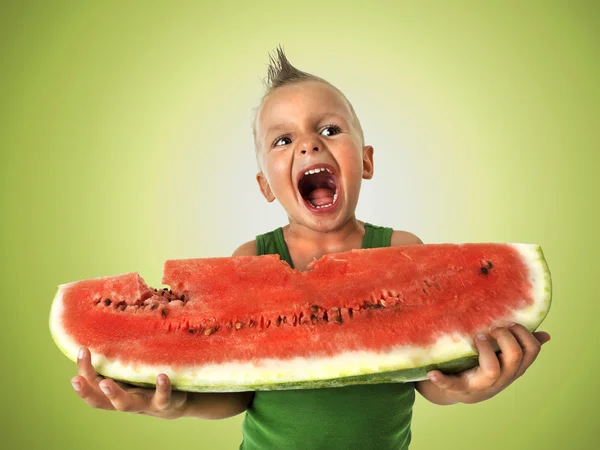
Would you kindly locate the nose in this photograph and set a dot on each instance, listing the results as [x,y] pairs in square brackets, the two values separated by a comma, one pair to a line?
[308,144]
[315,149]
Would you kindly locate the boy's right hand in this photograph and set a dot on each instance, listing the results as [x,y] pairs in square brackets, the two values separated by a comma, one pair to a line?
[104,393]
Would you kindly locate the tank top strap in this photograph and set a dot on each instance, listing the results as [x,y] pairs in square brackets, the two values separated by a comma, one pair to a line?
[273,243]
[376,236]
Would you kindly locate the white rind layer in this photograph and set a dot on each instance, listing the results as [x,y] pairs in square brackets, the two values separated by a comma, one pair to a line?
[307,372]
[539,277]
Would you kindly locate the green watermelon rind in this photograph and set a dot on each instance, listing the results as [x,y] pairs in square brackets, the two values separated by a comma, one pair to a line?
[530,317]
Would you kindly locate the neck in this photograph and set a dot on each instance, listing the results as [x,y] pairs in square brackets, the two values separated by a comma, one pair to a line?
[330,238]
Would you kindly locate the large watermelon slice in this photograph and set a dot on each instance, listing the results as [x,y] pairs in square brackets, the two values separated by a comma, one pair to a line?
[253,323]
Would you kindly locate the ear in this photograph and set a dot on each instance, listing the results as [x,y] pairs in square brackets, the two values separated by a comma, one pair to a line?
[263,184]
[368,162]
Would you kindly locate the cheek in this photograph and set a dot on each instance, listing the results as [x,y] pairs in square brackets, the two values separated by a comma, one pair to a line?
[278,169]
[352,165]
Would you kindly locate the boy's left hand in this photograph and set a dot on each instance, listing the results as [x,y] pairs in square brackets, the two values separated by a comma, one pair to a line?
[518,349]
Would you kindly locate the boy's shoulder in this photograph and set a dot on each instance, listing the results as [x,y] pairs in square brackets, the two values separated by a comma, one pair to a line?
[247,249]
[404,238]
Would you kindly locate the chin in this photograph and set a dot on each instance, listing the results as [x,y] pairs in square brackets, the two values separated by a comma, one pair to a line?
[322,223]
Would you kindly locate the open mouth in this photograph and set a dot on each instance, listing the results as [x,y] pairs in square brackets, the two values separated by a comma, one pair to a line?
[318,187]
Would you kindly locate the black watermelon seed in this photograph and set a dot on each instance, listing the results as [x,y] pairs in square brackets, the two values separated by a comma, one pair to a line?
[489,265]
[153,307]
[191,331]
[107,301]
[314,308]
[313,318]
[164,312]
[484,270]
[182,297]
[170,292]
[165,289]
[337,319]
[279,320]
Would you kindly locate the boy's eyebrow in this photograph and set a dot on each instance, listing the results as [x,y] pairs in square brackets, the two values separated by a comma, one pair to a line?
[287,125]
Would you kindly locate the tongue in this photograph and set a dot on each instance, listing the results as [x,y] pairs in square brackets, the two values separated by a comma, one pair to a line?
[321,196]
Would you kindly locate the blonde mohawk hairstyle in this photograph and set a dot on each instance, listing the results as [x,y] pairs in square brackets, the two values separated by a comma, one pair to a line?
[281,72]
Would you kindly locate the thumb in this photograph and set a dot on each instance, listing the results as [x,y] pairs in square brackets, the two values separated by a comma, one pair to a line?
[447,382]
[542,336]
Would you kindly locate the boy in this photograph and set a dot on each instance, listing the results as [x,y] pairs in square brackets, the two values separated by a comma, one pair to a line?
[312,158]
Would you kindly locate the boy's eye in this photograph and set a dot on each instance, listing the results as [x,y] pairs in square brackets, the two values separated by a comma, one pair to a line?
[279,140]
[332,127]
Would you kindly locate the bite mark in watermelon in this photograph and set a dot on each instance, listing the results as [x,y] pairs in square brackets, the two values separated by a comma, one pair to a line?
[253,323]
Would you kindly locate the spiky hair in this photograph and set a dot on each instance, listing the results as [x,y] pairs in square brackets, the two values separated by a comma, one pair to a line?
[281,72]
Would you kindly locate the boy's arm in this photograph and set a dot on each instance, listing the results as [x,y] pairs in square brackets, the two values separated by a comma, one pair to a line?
[518,349]
[221,405]
[216,405]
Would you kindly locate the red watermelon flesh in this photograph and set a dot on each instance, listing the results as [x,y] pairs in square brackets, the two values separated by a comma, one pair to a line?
[242,323]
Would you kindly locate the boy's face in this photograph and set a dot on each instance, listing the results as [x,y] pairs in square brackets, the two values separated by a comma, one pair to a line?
[308,126]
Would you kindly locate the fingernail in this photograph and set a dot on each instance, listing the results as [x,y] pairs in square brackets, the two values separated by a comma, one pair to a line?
[482,337]
[105,389]
[493,328]
[509,324]
[81,353]
[162,381]
[76,385]
[433,376]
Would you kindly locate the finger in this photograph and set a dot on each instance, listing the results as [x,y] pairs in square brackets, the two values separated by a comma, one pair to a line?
[85,368]
[489,369]
[530,345]
[122,400]
[125,386]
[542,337]
[162,396]
[90,394]
[510,355]
[457,383]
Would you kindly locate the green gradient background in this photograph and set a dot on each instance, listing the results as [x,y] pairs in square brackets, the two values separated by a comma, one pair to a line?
[125,138]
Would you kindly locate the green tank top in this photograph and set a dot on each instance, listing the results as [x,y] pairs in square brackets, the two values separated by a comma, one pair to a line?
[353,417]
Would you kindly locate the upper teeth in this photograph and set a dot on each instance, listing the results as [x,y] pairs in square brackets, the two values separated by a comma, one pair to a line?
[317,170]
